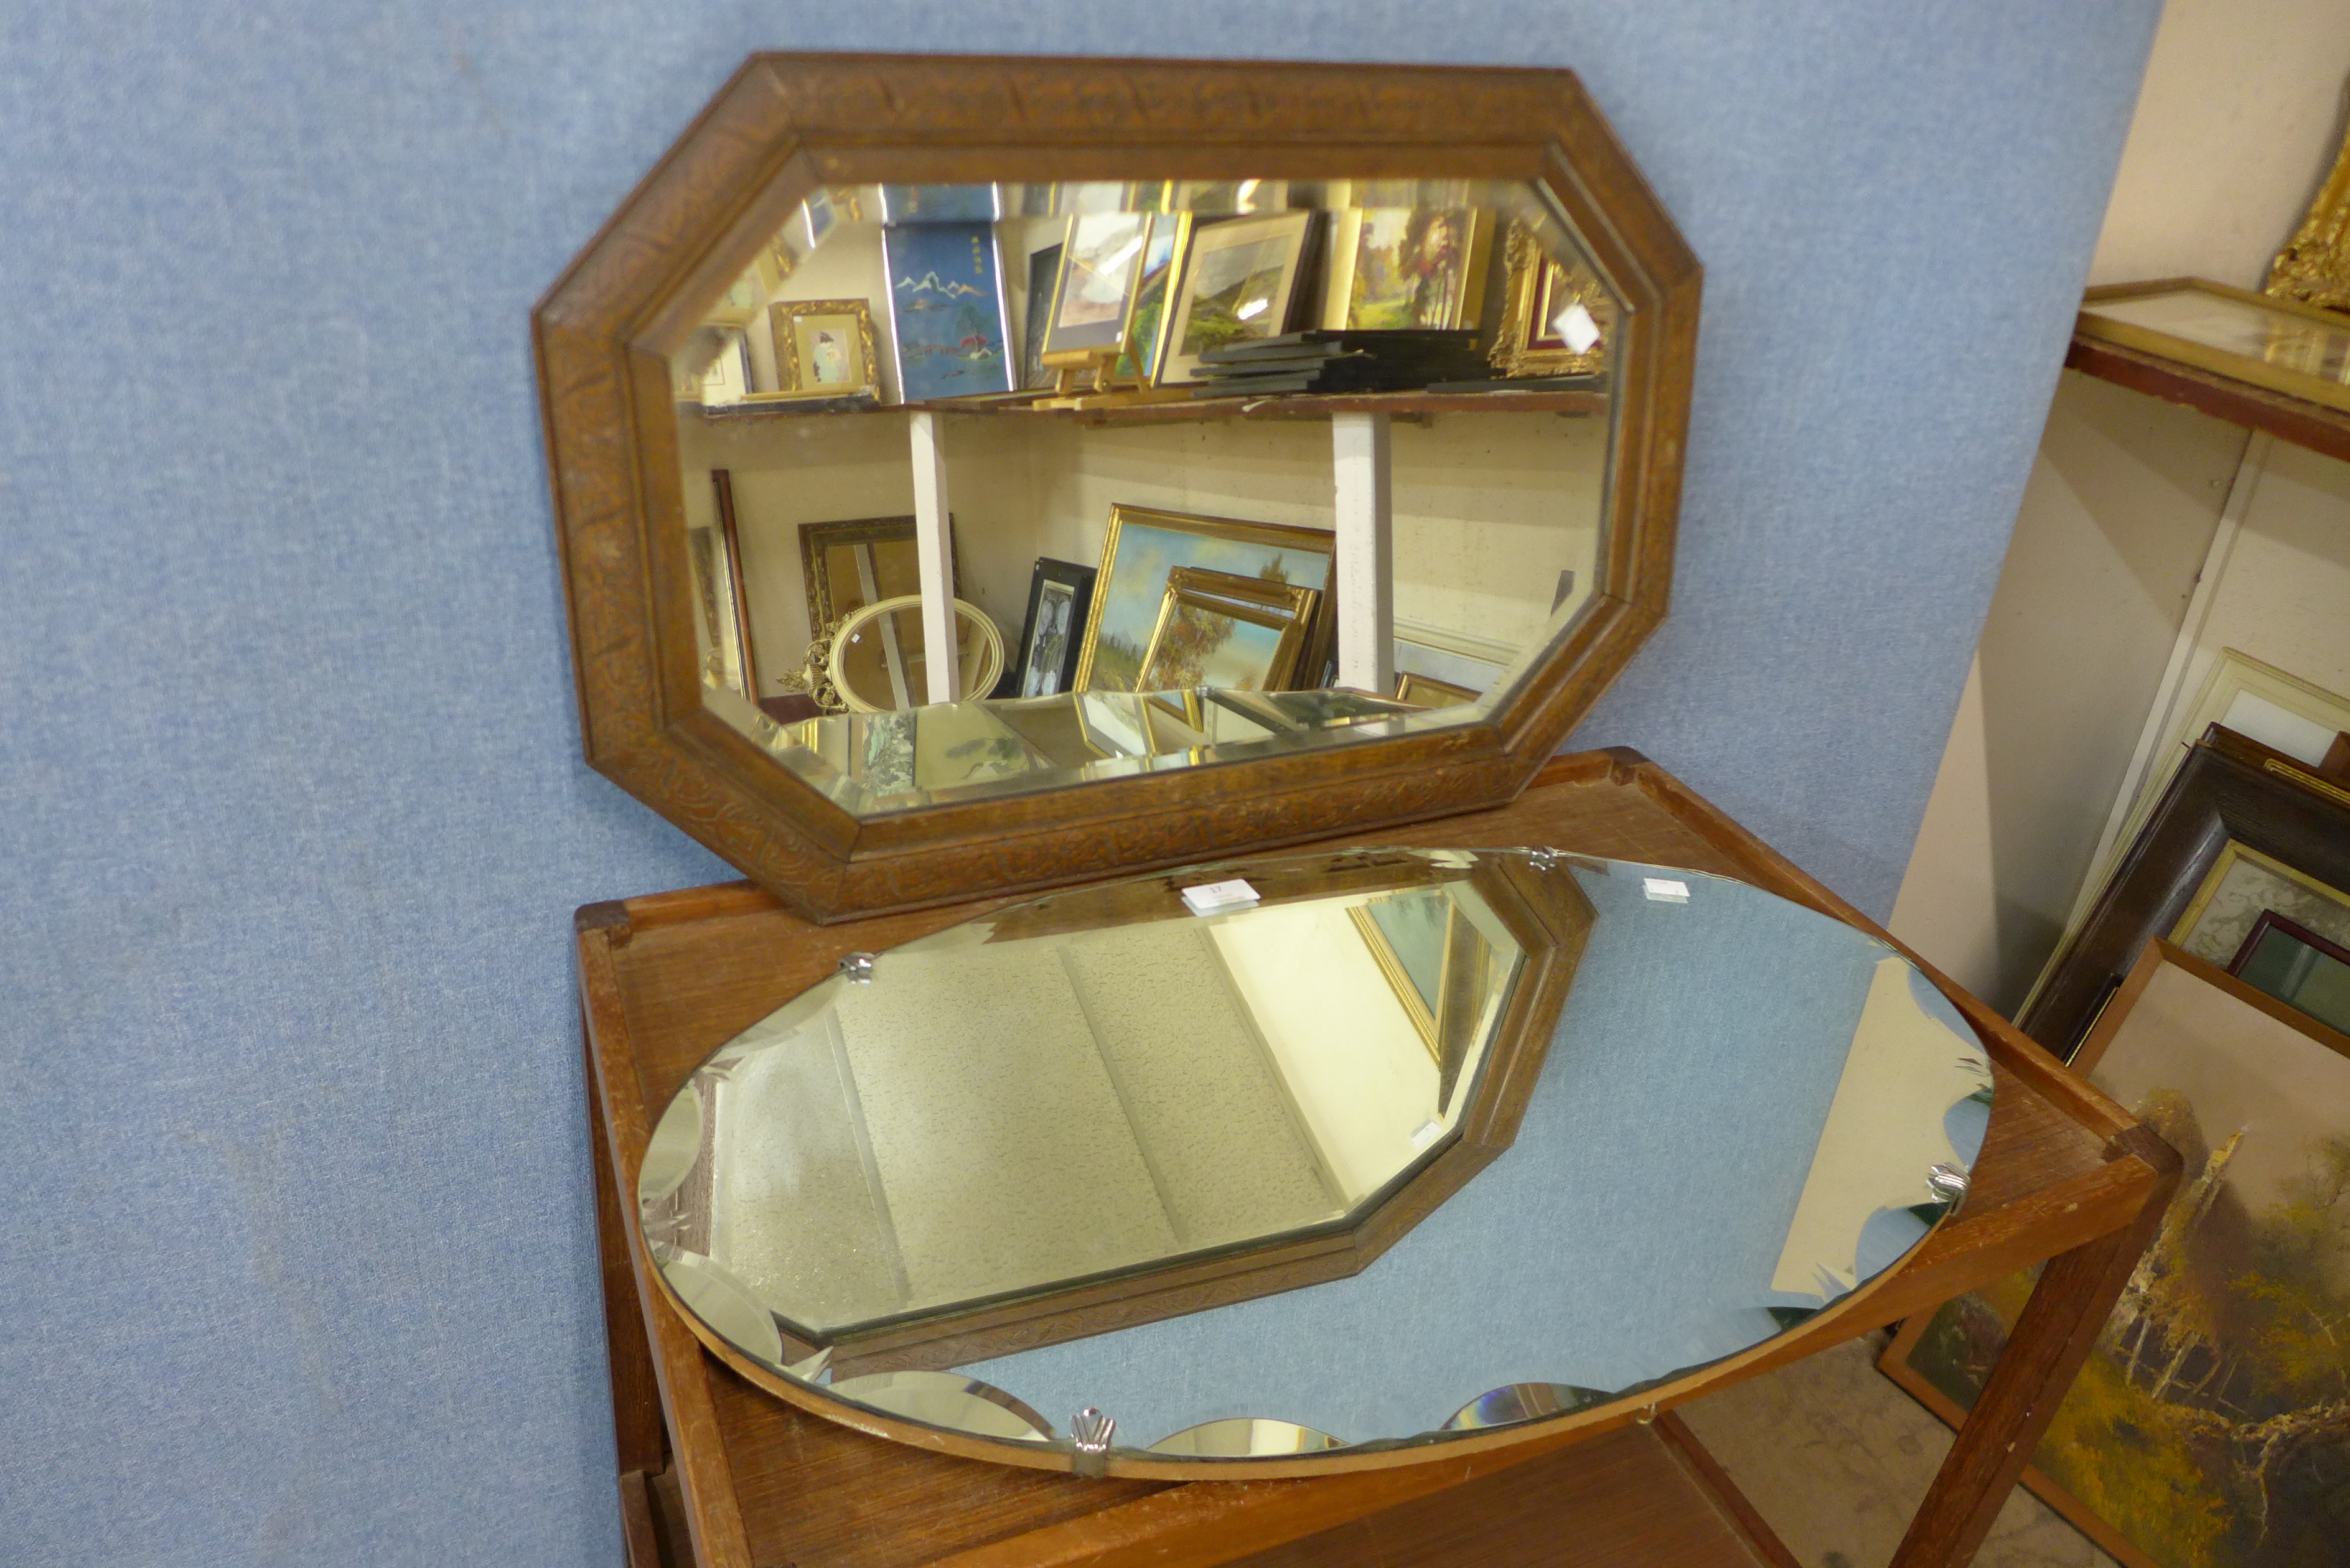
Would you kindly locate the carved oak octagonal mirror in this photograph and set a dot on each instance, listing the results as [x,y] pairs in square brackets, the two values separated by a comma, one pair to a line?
[976,475]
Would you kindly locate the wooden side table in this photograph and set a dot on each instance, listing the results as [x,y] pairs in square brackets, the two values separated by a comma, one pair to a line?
[716,1472]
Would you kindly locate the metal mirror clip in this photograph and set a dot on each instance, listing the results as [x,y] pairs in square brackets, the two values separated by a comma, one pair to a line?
[1089,1435]
[1949,1182]
[856,969]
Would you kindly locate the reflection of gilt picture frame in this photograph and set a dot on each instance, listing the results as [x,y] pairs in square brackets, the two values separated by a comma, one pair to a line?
[1144,545]
[1163,266]
[1092,295]
[1441,967]
[1427,691]
[728,659]
[1239,284]
[825,346]
[2205,1428]
[2314,268]
[1405,268]
[847,565]
[1556,319]
[1225,631]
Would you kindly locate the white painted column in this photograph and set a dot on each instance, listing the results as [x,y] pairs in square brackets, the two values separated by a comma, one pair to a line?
[935,555]
[1363,573]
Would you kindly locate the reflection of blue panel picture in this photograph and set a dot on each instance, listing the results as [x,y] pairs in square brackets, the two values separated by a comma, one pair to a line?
[939,204]
[946,306]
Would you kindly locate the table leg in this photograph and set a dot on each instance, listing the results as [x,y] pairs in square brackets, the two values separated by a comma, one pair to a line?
[2058,1328]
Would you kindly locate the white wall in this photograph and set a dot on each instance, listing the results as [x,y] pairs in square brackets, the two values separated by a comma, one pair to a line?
[2240,117]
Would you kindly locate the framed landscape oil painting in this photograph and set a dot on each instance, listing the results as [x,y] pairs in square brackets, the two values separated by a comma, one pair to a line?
[2211,1425]
[1138,557]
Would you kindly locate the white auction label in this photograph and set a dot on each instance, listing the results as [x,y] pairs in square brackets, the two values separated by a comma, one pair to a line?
[1209,896]
[1664,891]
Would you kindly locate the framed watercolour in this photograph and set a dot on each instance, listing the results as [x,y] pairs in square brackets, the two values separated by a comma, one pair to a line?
[1229,632]
[1162,265]
[2279,344]
[1555,320]
[1141,551]
[1093,298]
[2209,1428]
[825,346]
[849,564]
[946,310]
[2241,827]
[1043,272]
[1404,268]
[1241,282]
[1059,595]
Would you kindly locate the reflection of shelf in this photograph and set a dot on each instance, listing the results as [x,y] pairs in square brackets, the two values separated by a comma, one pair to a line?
[1293,405]
[2297,420]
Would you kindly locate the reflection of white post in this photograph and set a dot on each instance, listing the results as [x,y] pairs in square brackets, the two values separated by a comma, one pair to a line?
[1363,574]
[934,554]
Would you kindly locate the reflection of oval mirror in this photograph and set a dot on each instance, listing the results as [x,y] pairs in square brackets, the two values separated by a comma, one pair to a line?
[1345,476]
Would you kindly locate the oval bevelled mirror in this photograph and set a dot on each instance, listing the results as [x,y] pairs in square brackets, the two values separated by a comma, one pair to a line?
[1265,478]
[1113,1149]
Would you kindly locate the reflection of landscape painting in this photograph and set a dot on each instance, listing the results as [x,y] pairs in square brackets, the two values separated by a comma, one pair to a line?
[1411,269]
[946,307]
[1240,279]
[1208,642]
[1160,258]
[2211,1426]
[1144,546]
[1098,265]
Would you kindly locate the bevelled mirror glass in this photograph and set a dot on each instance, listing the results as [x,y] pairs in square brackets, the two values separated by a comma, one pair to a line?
[1148,478]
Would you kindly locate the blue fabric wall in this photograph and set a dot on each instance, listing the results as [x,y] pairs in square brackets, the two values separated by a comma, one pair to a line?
[296,1264]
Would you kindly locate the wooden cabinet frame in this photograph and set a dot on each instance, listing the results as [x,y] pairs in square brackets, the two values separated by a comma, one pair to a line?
[786,124]
[718,1473]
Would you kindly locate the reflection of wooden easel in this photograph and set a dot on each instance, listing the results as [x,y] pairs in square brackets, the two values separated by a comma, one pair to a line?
[1088,379]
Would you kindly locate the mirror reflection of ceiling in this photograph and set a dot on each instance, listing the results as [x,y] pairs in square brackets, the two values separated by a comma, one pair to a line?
[1141,395]
[1745,1111]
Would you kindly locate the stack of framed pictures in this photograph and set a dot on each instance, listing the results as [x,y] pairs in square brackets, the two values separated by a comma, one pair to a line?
[2208,993]
[1182,601]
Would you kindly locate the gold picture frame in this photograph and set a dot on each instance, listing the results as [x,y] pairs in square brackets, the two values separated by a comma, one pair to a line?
[2314,268]
[1250,269]
[847,565]
[1445,992]
[825,347]
[1100,275]
[1128,596]
[1383,276]
[1539,291]
[1427,691]
[2279,344]
[1202,614]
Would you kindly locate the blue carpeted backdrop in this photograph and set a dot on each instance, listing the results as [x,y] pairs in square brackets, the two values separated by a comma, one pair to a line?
[297,1264]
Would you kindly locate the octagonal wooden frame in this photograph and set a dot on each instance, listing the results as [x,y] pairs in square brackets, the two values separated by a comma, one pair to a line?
[787,123]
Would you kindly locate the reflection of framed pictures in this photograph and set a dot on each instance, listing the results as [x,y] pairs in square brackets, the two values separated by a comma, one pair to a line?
[941,204]
[1404,268]
[824,346]
[2241,827]
[1427,691]
[1162,264]
[724,378]
[1143,546]
[729,659]
[1443,970]
[2192,1437]
[1555,318]
[1043,272]
[1093,298]
[2286,959]
[1240,283]
[946,309]
[820,214]
[849,564]
[1059,595]
[1227,632]
[2279,344]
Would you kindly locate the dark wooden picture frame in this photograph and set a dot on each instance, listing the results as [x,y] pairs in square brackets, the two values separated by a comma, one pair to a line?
[787,125]
[2230,790]
[1079,581]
